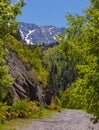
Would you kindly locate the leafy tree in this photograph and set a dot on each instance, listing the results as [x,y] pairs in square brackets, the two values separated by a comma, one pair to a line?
[81,46]
[8,13]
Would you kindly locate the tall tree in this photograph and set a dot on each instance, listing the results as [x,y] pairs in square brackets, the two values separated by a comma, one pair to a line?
[8,13]
[81,46]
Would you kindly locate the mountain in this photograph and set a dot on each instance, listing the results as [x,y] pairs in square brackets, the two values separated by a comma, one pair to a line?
[34,34]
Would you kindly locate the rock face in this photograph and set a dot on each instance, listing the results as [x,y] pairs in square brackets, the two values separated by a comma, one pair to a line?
[23,86]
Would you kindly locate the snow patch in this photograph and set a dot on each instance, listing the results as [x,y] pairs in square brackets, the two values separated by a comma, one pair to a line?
[51,28]
[27,41]
[27,36]
[31,31]
[22,34]
[54,38]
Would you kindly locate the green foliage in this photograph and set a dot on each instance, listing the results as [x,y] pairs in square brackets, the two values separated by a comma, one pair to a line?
[31,57]
[61,71]
[81,46]
[6,80]
[3,111]
[8,13]
[25,108]
[8,25]
[22,108]
[58,101]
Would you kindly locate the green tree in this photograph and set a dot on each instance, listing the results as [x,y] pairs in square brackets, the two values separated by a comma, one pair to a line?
[8,13]
[81,46]
[61,71]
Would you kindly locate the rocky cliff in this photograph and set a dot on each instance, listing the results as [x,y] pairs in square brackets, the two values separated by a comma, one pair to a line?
[23,86]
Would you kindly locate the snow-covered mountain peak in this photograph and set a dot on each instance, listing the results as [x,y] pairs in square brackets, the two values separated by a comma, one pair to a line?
[34,34]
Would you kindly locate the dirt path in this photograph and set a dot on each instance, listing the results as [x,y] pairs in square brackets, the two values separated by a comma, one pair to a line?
[67,120]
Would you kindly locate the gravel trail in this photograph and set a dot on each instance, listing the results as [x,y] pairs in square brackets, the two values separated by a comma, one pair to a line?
[67,120]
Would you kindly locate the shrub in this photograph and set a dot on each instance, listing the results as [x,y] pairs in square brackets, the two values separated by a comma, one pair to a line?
[4,112]
[22,108]
[53,106]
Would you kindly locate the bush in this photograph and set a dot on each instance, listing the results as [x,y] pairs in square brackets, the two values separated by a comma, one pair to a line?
[4,114]
[53,106]
[22,108]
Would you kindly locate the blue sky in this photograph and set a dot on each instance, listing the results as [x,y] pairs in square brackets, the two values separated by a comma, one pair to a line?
[51,12]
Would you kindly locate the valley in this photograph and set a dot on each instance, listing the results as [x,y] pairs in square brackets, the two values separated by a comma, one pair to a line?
[49,68]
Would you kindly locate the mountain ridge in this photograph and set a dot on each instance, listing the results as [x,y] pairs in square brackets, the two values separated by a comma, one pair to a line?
[34,34]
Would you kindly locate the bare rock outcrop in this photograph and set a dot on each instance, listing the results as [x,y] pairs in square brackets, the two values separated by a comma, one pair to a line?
[23,87]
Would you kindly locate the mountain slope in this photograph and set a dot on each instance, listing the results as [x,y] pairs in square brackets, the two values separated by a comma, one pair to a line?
[34,34]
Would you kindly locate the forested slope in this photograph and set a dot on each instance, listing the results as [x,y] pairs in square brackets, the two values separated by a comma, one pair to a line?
[62,72]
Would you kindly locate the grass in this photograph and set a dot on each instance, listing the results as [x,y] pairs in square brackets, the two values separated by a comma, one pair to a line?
[15,124]
[43,113]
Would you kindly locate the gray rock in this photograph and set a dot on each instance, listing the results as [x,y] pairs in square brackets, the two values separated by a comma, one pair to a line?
[23,87]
